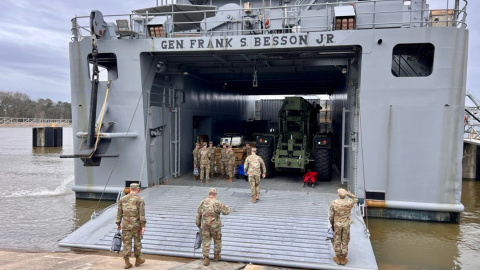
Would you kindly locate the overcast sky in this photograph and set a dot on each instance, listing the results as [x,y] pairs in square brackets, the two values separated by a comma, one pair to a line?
[34,37]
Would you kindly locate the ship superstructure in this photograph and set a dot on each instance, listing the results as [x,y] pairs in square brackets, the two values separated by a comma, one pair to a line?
[395,72]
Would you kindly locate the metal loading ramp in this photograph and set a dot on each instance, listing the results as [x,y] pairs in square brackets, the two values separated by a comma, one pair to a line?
[284,228]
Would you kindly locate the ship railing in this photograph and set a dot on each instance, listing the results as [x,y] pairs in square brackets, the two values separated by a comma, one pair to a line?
[34,122]
[372,12]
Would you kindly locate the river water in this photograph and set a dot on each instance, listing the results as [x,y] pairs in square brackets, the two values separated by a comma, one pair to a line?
[39,209]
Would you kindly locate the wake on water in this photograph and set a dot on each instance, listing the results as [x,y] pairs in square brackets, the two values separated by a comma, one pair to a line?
[43,192]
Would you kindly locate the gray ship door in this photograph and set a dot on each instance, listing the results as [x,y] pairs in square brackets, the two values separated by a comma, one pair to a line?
[164,125]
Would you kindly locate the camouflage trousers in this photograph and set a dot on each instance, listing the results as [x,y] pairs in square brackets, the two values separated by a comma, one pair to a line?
[341,238]
[230,170]
[207,234]
[205,168]
[223,167]
[254,181]
[127,243]
[196,164]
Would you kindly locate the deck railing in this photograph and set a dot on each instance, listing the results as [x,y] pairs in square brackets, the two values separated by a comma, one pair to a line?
[373,13]
[34,122]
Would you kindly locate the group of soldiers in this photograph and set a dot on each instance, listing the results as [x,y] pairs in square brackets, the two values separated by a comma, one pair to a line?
[131,208]
[204,161]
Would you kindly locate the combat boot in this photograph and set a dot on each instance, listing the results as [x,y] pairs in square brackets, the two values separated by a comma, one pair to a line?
[201,180]
[231,179]
[139,260]
[254,199]
[223,176]
[208,181]
[258,197]
[337,259]
[217,257]
[127,264]
[343,260]
[206,262]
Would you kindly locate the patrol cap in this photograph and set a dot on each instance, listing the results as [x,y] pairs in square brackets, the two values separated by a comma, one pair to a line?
[254,149]
[210,142]
[134,186]
[224,144]
[229,147]
[212,190]
[197,144]
[204,143]
[341,191]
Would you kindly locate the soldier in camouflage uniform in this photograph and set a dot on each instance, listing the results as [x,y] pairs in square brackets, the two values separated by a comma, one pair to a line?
[223,161]
[340,220]
[208,221]
[212,159]
[131,214]
[252,169]
[204,155]
[247,151]
[230,163]
[196,160]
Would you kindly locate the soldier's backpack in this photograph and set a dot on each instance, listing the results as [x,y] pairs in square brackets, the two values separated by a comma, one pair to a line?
[116,242]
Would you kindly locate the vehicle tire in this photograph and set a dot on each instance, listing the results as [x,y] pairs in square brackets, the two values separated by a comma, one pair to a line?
[323,164]
[266,153]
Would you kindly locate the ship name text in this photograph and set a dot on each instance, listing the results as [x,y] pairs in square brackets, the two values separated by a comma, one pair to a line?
[247,42]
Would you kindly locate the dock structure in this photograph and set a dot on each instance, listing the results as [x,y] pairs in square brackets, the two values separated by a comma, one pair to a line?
[34,122]
[284,228]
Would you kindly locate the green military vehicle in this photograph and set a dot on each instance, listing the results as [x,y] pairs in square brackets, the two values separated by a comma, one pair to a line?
[298,142]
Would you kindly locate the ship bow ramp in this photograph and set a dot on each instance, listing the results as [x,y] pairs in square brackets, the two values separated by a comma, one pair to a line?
[285,228]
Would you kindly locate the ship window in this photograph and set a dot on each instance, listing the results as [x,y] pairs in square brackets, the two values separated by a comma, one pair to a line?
[107,66]
[413,60]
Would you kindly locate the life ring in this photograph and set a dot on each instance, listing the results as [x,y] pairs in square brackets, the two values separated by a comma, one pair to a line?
[267,24]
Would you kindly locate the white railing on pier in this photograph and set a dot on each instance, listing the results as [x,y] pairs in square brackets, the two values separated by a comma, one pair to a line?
[34,122]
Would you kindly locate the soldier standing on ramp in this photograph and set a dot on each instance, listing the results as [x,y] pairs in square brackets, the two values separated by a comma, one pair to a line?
[223,161]
[340,219]
[204,155]
[230,163]
[252,168]
[131,214]
[247,151]
[212,159]
[196,163]
[208,221]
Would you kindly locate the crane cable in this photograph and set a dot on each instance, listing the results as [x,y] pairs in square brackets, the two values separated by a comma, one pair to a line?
[367,231]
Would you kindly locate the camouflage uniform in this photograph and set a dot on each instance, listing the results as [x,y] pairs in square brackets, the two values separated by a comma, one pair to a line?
[252,168]
[131,214]
[208,220]
[212,159]
[230,163]
[223,161]
[340,219]
[196,160]
[204,156]
[247,151]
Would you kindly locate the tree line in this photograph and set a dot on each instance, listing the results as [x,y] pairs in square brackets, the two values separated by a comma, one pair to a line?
[19,105]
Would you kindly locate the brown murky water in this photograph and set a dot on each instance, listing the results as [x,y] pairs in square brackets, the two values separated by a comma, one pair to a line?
[39,208]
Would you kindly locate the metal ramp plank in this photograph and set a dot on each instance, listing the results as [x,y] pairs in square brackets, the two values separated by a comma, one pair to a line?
[276,230]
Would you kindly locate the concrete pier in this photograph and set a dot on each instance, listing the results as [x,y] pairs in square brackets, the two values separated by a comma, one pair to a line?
[471,159]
